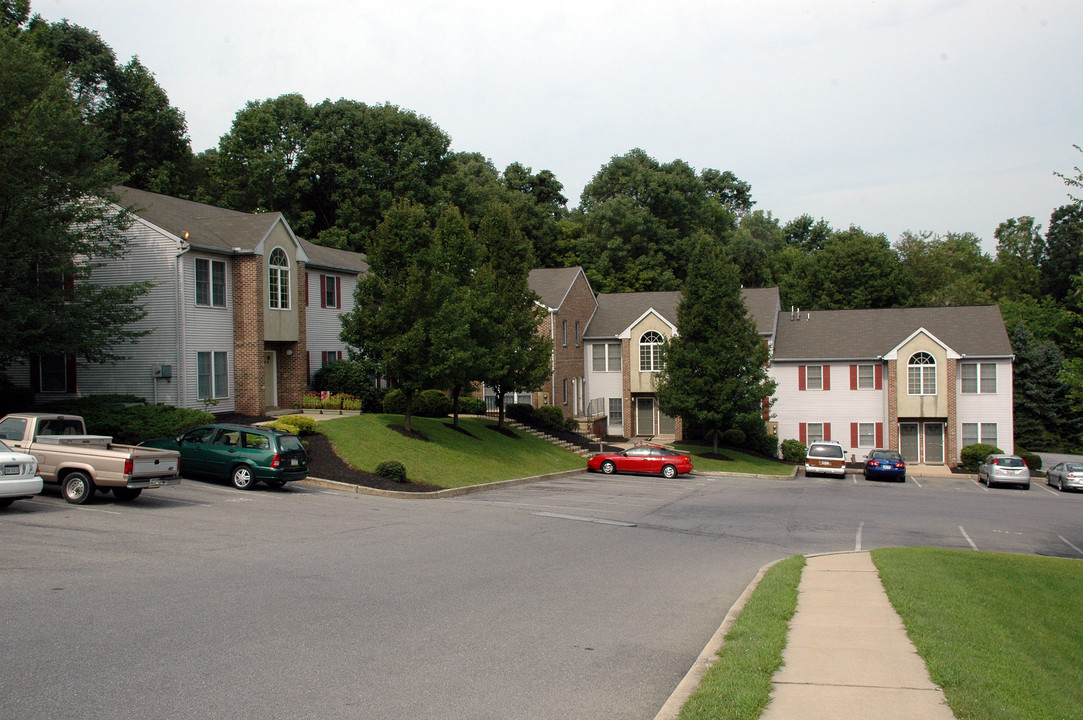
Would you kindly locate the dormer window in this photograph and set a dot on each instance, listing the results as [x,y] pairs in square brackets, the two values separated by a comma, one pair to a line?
[278,280]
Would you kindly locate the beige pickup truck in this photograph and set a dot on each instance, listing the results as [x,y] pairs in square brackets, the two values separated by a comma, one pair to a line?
[81,463]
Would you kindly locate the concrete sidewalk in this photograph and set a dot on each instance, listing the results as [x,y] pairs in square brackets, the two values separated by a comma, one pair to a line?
[847,654]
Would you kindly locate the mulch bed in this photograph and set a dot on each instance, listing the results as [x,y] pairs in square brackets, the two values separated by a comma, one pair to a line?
[324,462]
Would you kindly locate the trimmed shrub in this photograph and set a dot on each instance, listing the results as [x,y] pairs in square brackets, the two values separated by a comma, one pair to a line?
[734,437]
[395,402]
[793,451]
[550,417]
[296,424]
[521,412]
[471,405]
[571,425]
[1034,462]
[355,378]
[972,455]
[432,404]
[392,470]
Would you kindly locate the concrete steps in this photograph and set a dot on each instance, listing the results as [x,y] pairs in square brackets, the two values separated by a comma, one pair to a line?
[580,451]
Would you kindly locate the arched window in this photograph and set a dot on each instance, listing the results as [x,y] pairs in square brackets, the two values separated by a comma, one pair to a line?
[921,374]
[278,280]
[650,350]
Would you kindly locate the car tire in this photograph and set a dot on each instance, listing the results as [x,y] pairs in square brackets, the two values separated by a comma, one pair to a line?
[241,478]
[608,467]
[126,494]
[669,472]
[77,487]
[1060,484]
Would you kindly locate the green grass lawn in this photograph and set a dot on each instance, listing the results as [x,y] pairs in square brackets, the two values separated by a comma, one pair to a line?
[1001,634]
[738,685]
[450,459]
[741,463]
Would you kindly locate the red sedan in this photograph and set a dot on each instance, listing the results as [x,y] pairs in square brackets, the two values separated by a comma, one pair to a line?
[650,459]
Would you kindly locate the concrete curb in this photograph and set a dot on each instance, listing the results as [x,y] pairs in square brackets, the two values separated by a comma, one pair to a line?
[435,495]
[672,707]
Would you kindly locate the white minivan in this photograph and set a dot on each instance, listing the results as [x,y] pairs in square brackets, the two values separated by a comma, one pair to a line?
[826,457]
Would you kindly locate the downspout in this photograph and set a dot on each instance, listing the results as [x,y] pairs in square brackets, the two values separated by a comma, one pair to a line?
[553,357]
[181,326]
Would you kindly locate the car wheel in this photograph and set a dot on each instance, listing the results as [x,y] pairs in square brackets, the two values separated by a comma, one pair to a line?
[669,472]
[1025,487]
[126,494]
[608,467]
[1060,484]
[77,487]
[241,477]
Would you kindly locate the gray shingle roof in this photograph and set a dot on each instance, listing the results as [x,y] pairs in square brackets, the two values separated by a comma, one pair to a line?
[617,311]
[976,331]
[552,284]
[221,229]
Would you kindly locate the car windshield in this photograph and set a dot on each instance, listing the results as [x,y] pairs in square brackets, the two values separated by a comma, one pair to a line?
[289,443]
[1012,462]
[825,451]
[1072,467]
[885,455]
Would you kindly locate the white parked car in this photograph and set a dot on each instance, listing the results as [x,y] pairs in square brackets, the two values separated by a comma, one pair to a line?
[18,476]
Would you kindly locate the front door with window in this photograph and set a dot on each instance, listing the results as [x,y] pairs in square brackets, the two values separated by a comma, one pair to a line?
[922,442]
[645,416]
[270,378]
[908,442]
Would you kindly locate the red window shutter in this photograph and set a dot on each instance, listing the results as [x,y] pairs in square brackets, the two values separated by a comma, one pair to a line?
[827,377]
[879,434]
[827,431]
[801,382]
[853,377]
[323,291]
[323,358]
[338,293]
[853,435]
[878,374]
[802,433]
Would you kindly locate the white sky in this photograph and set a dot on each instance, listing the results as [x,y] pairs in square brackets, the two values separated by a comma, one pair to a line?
[940,115]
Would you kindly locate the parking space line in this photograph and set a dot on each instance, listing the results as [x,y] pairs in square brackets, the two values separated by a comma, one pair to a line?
[967,538]
[915,481]
[1065,540]
[857,544]
[1047,489]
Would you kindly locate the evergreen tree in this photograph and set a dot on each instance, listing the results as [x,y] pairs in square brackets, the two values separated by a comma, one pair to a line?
[1044,420]
[714,370]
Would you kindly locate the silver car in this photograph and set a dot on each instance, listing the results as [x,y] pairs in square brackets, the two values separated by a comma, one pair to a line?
[1066,476]
[1004,470]
[18,476]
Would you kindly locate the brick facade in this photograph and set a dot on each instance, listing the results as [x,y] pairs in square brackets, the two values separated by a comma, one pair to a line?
[568,358]
[248,304]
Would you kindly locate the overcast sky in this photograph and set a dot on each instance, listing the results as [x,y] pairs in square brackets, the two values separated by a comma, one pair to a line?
[946,116]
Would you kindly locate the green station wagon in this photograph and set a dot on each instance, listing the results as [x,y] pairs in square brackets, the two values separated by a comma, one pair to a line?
[243,454]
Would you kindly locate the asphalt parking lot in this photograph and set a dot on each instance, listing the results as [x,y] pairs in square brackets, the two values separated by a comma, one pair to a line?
[586,596]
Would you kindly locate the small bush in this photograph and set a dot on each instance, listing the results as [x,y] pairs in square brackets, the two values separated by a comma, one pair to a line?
[395,402]
[793,451]
[734,437]
[972,455]
[768,445]
[521,412]
[549,417]
[471,405]
[296,424]
[392,470]
[571,425]
[355,378]
[1034,462]
[432,403]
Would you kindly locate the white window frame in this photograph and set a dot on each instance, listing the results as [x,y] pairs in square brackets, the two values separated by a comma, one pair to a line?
[650,351]
[278,280]
[212,374]
[978,378]
[866,383]
[331,290]
[819,376]
[985,433]
[921,374]
[605,357]
[616,412]
[214,282]
[866,435]
[814,436]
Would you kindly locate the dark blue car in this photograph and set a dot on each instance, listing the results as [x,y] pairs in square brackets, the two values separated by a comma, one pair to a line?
[885,464]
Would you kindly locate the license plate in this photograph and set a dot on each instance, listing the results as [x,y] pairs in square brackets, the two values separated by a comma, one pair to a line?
[293,461]
[11,469]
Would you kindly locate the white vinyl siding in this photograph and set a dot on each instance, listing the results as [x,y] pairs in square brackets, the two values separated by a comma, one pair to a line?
[323,327]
